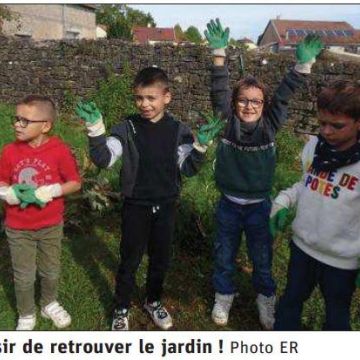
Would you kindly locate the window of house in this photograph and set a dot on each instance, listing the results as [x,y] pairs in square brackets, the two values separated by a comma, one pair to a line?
[291,32]
[330,33]
[300,32]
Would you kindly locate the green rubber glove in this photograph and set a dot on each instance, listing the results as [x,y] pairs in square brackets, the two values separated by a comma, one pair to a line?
[216,36]
[19,189]
[88,112]
[308,49]
[209,131]
[27,197]
[278,221]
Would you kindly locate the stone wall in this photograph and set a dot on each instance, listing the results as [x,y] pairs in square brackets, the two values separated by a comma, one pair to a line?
[56,68]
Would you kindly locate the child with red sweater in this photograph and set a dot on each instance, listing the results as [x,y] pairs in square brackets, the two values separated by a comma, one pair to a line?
[36,172]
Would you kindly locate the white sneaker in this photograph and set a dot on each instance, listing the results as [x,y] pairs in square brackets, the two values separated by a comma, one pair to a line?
[57,314]
[266,308]
[159,314]
[27,322]
[220,311]
[120,320]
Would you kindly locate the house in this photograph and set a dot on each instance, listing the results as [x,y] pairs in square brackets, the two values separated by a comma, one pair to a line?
[101,31]
[282,35]
[153,35]
[248,43]
[55,21]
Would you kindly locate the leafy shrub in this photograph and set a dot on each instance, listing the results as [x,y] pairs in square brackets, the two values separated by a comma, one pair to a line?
[7,112]
[195,221]
[114,97]
[69,101]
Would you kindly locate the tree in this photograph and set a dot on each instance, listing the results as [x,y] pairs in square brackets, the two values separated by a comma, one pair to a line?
[137,17]
[121,18]
[193,34]
[233,42]
[119,29]
[179,34]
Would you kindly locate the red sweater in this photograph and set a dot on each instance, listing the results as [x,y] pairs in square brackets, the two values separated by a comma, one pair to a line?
[50,163]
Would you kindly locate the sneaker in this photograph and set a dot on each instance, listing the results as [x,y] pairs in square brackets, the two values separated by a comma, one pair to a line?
[59,316]
[159,314]
[220,311]
[266,308]
[120,320]
[26,322]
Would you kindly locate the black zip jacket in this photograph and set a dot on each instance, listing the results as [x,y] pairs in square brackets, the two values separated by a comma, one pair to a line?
[174,155]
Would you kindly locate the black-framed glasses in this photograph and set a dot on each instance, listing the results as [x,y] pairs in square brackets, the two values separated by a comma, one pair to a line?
[255,103]
[25,122]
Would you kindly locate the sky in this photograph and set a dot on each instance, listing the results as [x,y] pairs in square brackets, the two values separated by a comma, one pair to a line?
[246,20]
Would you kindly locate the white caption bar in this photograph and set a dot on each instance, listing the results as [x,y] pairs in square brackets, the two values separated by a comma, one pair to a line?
[177,345]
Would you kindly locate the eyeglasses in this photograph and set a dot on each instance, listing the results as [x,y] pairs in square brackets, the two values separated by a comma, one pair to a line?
[25,122]
[255,103]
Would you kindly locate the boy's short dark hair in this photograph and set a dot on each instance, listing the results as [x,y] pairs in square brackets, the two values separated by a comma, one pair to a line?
[246,83]
[341,97]
[151,76]
[45,102]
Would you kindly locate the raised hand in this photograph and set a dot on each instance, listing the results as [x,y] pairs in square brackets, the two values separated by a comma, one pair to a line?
[88,112]
[306,53]
[308,49]
[217,37]
[209,131]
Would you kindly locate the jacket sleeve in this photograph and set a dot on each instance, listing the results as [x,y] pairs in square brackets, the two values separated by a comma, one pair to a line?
[104,151]
[220,92]
[289,197]
[277,113]
[189,159]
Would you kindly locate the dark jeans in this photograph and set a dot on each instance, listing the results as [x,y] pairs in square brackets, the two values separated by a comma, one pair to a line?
[144,228]
[304,273]
[232,219]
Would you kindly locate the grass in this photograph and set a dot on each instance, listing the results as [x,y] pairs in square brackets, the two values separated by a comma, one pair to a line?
[90,254]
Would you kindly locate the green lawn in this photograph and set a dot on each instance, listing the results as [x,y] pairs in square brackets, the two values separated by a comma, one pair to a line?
[90,252]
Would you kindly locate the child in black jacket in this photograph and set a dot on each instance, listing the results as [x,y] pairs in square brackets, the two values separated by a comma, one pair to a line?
[155,149]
